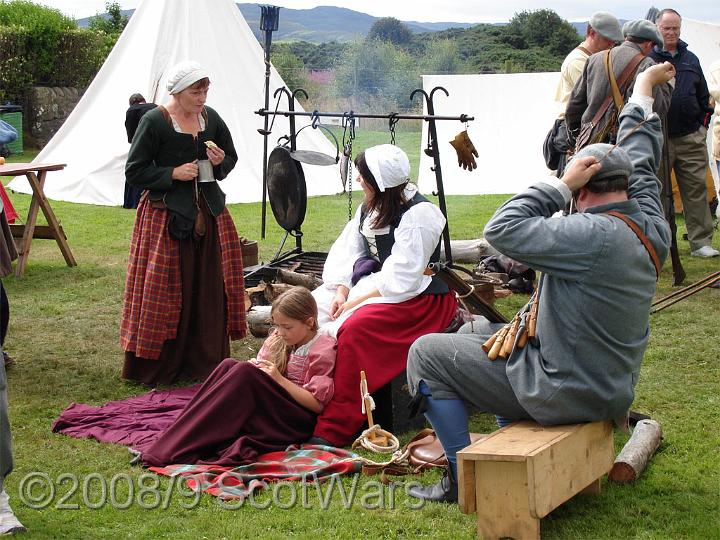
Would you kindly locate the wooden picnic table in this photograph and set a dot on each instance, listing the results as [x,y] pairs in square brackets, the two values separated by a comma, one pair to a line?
[36,173]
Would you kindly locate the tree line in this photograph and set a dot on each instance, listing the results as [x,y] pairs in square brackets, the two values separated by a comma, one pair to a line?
[41,46]
[383,68]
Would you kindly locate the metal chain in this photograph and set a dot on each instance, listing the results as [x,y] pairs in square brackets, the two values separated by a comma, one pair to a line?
[349,128]
[350,164]
[391,125]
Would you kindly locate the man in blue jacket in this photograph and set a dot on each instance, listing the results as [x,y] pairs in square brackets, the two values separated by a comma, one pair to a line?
[687,122]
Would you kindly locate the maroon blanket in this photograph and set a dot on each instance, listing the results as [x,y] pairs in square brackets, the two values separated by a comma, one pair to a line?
[238,413]
[135,421]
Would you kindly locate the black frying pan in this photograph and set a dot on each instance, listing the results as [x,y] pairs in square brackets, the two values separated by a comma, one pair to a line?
[287,191]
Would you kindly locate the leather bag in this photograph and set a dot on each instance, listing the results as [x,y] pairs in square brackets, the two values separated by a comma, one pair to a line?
[592,132]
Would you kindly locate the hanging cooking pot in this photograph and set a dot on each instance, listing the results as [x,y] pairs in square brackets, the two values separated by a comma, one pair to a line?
[313,157]
[287,191]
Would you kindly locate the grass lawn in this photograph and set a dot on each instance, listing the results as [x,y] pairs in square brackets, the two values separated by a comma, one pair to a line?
[64,337]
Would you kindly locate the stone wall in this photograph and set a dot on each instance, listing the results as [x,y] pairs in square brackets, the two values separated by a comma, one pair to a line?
[47,109]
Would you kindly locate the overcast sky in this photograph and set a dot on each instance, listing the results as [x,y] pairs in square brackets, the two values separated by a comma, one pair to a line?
[474,11]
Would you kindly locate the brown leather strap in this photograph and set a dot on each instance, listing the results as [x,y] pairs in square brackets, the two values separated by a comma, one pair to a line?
[617,97]
[583,49]
[644,239]
[621,82]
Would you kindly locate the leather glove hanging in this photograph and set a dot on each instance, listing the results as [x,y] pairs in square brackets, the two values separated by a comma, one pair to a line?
[465,150]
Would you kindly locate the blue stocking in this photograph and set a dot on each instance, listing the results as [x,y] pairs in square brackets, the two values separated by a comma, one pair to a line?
[450,422]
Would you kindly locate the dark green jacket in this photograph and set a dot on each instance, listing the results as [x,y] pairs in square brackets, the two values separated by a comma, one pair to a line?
[157,149]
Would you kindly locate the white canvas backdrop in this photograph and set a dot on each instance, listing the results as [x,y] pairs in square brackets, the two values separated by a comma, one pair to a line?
[93,143]
[513,113]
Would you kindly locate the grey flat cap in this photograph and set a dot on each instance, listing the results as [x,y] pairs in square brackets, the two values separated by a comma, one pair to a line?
[616,163]
[606,25]
[643,29]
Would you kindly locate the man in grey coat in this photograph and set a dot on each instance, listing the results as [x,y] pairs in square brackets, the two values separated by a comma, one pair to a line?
[593,87]
[594,296]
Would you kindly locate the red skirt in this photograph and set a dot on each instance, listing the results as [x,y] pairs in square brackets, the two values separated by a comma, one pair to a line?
[376,339]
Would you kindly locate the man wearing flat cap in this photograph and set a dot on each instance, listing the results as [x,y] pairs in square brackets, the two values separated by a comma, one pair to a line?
[599,270]
[603,31]
[593,88]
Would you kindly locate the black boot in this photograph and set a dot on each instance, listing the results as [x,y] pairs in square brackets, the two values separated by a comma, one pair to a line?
[446,490]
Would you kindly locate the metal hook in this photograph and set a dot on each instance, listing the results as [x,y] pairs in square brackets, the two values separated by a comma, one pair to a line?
[298,91]
[267,132]
[315,116]
[419,91]
[432,92]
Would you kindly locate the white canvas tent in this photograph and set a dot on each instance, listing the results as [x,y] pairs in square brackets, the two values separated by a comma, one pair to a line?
[93,142]
[513,113]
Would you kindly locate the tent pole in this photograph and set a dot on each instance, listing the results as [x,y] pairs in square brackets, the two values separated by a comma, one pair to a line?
[269,18]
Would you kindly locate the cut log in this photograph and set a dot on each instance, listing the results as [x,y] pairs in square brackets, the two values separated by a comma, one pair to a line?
[296,278]
[259,321]
[257,294]
[469,251]
[273,290]
[635,455]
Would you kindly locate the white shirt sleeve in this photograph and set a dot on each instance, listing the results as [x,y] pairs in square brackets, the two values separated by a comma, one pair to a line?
[348,247]
[561,186]
[646,102]
[415,240]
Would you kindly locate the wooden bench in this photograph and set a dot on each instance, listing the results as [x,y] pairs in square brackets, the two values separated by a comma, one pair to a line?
[521,473]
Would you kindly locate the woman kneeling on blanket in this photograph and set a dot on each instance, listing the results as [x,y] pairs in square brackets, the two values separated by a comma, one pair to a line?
[244,409]
[377,297]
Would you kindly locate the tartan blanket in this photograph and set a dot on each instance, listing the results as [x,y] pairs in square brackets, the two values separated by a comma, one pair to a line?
[293,464]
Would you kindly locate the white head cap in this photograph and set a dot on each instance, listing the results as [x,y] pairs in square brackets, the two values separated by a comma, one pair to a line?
[184,75]
[388,164]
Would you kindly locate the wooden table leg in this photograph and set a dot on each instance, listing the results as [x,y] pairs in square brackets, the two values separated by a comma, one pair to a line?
[38,185]
[29,224]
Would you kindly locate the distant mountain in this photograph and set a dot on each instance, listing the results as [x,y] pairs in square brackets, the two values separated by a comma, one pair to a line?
[83,23]
[319,25]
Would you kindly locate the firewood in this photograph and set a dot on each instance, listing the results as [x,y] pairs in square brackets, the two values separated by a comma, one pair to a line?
[469,251]
[259,321]
[257,294]
[296,278]
[635,455]
[273,290]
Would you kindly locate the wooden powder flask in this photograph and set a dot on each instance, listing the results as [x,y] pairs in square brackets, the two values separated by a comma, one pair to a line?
[532,317]
[510,340]
[502,343]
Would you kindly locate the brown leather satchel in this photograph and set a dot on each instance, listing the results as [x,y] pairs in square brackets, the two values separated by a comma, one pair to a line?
[421,452]
[589,132]
[426,451]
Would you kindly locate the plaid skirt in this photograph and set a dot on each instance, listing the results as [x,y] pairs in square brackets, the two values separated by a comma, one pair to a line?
[154,290]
